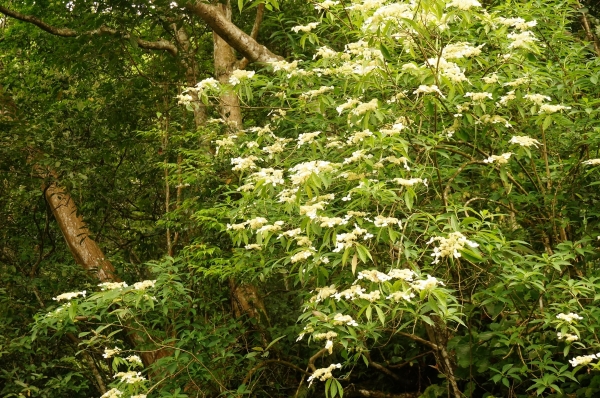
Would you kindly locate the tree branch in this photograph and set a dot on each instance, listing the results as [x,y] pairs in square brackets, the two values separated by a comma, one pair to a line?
[234,36]
[160,44]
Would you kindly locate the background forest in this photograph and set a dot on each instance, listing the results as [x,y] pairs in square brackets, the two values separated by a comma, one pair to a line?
[299,198]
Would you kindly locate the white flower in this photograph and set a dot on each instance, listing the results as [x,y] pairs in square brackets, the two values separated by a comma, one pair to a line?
[303,171]
[517,82]
[323,373]
[461,50]
[524,140]
[307,138]
[253,246]
[347,105]
[373,296]
[244,163]
[349,294]
[410,182]
[325,53]
[583,360]
[423,89]
[490,79]
[463,4]
[340,319]
[404,274]
[517,23]
[330,222]
[257,222]
[329,346]
[144,284]
[374,276]
[313,93]
[546,108]
[184,99]
[537,99]
[479,96]
[400,296]
[427,284]
[592,162]
[359,136]
[300,256]
[236,227]
[269,176]
[505,98]
[364,107]
[238,75]
[325,5]
[570,317]
[357,155]
[450,246]
[68,296]
[112,285]
[323,293]
[381,221]
[108,353]
[134,359]
[130,377]
[568,337]
[322,336]
[112,393]
[283,65]
[311,210]
[499,159]
[521,39]
[139,396]
[306,28]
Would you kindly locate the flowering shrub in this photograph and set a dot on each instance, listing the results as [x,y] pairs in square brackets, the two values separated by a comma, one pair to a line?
[418,182]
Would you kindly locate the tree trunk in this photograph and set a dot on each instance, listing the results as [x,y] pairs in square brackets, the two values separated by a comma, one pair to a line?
[85,250]
[225,61]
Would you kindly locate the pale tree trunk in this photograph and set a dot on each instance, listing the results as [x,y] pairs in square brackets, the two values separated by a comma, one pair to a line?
[245,297]
[225,61]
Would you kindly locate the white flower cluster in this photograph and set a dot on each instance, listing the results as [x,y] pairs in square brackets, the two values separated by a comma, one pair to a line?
[144,284]
[381,221]
[592,162]
[300,256]
[268,176]
[522,39]
[347,240]
[130,377]
[568,337]
[463,4]
[427,284]
[313,93]
[112,393]
[524,140]
[517,23]
[305,28]
[323,373]
[423,89]
[547,108]
[583,360]
[537,99]
[109,353]
[450,246]
[238,75]
[241,164]
[570,317]
[499,159]
[134,359]
[68,296]
[340,319]
[479,96]
[302,171]
[307,138]
[410,182]
[461,50]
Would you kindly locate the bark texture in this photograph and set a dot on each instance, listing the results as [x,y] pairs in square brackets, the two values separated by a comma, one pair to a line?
[85,250]
[225,62]
[234,36]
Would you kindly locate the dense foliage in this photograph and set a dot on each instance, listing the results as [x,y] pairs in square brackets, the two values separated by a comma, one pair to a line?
[413,192]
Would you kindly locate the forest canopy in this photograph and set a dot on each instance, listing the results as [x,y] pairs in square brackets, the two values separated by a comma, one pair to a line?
[378,198]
